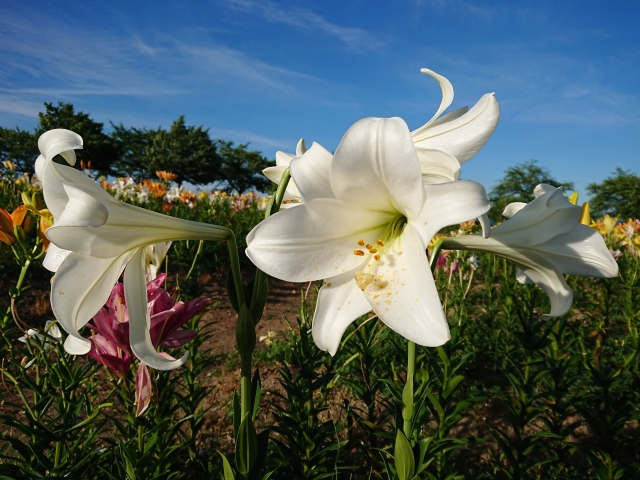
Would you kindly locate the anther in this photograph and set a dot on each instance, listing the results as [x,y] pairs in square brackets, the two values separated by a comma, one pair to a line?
[380,243]
[361,243]
[369,246]
[373,250]
[359,253]
[376,258]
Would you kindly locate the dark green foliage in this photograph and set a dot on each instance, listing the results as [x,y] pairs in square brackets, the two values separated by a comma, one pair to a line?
[184,150]
[306,443]
[98,148]
[242,169]
[618,195]
[517,186]
[19,147]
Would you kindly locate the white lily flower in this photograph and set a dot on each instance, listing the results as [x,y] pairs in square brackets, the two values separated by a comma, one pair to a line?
[53,334]
[153,257]
[445,142]
[364,229]
[292,195]
[546,240]
[96,236]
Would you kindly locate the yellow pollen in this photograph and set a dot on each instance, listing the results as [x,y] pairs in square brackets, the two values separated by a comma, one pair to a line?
[376,258]
[361,243]
[359,253]
[363,280]
[369,246]
[380,243]
[328,285]
[373,250]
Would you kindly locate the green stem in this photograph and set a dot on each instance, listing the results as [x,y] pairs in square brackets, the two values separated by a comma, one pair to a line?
[245,386]
[140,439]
[193,264]
[411,366]
[234,261]
[58,454]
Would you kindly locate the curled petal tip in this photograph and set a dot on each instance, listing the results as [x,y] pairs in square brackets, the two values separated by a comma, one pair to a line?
[486,225]
[76,345]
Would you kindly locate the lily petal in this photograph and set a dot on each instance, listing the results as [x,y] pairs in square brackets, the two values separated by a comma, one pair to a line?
[59,142]
[554,209]
[54,257]
[366,171]
[275,175]
[447,95]
[552,282]
[311,173]
[448,204]
[314,240]
[437,166]
[464,136]
[112,239]
[135,291]
[404,288]
[80,288]
[513,208]
[143,389]
[339,303]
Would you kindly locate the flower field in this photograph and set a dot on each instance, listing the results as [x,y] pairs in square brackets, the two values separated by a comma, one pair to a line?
[508,396]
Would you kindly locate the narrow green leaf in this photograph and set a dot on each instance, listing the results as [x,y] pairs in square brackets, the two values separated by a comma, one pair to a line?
[403,457]
[228,472]
[256,391]
[443,356]
[246,446]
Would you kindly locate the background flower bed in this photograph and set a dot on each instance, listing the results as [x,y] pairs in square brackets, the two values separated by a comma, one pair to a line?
[508,397]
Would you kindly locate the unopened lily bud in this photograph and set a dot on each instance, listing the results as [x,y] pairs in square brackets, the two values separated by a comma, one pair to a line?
[585,218]
[574,198]
[27,224]
[36,201]
[26,199]
[18,231]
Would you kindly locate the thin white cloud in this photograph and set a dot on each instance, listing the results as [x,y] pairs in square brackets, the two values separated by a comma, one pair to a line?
[257,140]
[59,60]
[458,6]
[357,39]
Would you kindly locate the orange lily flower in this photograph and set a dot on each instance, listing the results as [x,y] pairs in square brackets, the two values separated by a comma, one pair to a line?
[8,222]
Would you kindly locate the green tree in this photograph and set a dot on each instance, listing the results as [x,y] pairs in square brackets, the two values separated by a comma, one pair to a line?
[20,147]
[241,168]
[618,195]
[134,144]
[99,148]
[186,151]
[517,186]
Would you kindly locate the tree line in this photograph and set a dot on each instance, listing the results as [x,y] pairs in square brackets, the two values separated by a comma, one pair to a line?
[187,151]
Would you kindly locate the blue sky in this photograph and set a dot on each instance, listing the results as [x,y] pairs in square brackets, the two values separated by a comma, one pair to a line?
[566,74]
